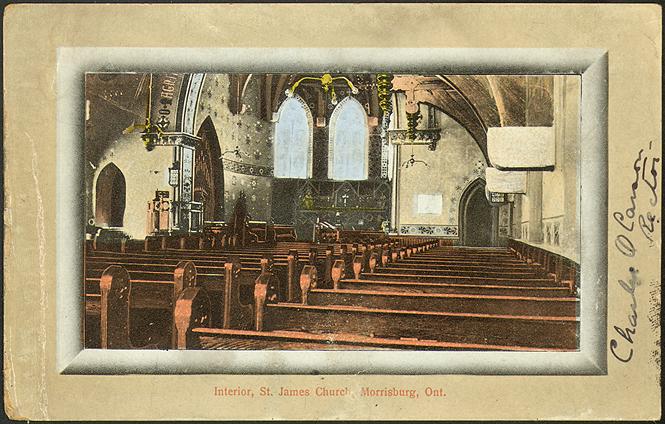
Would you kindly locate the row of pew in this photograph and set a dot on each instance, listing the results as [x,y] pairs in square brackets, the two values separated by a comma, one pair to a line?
[154,289]
[404,294]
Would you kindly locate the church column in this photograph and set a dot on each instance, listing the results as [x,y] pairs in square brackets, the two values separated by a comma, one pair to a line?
[567,118]
[394,171]
[494,239]
[534,190]
[516,217]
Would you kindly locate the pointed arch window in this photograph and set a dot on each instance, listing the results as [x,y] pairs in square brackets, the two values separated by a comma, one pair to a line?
[348,146]
[293,140]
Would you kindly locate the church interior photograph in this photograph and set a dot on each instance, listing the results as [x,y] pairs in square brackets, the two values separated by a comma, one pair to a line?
[318,211]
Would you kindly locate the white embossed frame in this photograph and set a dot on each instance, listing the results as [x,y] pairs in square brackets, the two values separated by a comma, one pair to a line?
[591,64]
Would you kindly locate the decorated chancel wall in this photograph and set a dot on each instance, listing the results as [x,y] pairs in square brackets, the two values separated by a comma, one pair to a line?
[234,117]
[243,110]
[355,204]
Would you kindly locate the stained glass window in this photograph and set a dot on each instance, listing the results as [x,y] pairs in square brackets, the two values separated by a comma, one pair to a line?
[349,141]
[293,140]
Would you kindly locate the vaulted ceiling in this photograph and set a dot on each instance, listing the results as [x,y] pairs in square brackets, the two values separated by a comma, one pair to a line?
[477,102]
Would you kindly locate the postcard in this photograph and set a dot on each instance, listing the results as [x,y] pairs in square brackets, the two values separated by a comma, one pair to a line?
[434,225]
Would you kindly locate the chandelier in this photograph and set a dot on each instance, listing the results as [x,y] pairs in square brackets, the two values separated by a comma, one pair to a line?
[151,133]
[326,81]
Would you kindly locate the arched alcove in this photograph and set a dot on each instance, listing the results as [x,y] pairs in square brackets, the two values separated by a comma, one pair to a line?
[209,173]
[476,216]
[110,197]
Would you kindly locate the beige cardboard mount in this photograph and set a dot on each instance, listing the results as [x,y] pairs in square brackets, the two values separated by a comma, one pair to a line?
[48,377]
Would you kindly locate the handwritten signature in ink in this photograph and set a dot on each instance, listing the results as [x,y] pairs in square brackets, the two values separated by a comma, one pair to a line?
[628,332]
[645,168]
[645,221]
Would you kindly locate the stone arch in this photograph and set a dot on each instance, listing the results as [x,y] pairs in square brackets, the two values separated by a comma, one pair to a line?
[110,197]
[209,173]
[477,218]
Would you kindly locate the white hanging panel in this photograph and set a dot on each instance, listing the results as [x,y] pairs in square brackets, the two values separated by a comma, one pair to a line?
[505,181]
[521,147]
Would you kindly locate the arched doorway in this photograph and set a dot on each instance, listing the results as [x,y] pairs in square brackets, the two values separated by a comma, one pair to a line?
[110,197]
[209,173]
[476,216]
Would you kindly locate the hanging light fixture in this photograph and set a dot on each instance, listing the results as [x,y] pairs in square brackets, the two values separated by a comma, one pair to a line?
[408,101]
[412,161]
[326,81]
[384,91]
[151,133]
[413,118]
[236,152]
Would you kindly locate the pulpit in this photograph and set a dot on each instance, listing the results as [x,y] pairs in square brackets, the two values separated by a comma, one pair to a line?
[158,218]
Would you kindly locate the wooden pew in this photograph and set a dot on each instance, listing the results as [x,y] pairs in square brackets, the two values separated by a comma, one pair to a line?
[377,284]
[115,302]
[465,330]
[564,270]
[434,312]
[449,302]
[367,257]
[555,332]
[212,268]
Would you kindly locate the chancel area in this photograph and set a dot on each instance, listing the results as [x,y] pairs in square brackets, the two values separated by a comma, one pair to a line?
[332,211]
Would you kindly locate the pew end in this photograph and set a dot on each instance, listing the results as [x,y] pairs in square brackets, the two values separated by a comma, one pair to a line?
[115,318]
[385,257]
[115,292]
[307,281]
[357,266]
[192,310]
[337,272]
[237,306]
[292,279]
[267,263]
[373,262]
[184,275]
[264,287]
